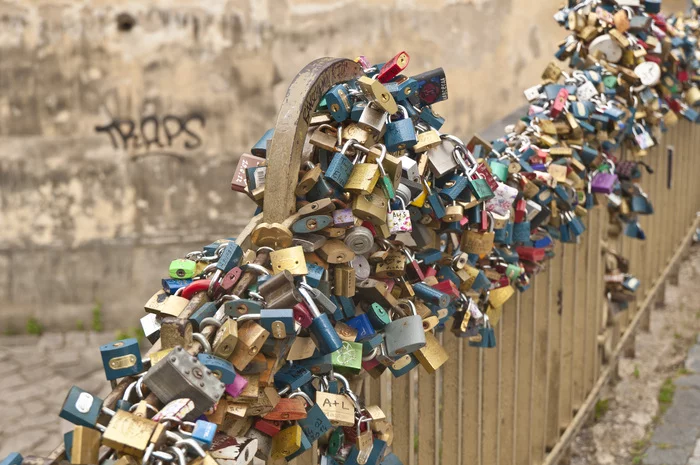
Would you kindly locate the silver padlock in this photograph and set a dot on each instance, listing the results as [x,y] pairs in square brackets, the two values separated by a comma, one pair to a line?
[361,266]
[373,119]
[181,375]
[359,239]
[404,335]
[441,161]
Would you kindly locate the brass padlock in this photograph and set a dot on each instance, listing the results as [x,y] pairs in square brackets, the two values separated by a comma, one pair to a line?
[226,339]
[309,179]
[290,259]
[372,207]
[335,251]
[431,356]
[344,278]
[338,408]
[393,266]
[251,337]
[499,296]
[286,442]
[86,446]
[128,433]
[325,136]
[175,332]
[363,178]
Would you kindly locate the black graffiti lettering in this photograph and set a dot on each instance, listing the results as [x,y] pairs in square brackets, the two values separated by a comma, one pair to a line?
[172,122]
[155,136]
[153,133]
[197,139]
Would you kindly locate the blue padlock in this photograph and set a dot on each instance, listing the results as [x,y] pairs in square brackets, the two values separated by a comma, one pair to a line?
[391,459]
[431,118]
[446,272]
[481,282]
[453,187]
[318,364]
[504,235]
[428,256]
[292,376]
[230,257]
[368,345]
[222,369]
[345,307]
[67,444]
[208,310]
[240,307]
[315,274]
[316,423]
[432,295]
[121,358]
[400,134]
[652,6]
[322,331]
[378,450]
[81,408]
[204,432]
[13,459]
[364,327]
[521,232]
[340,168]
[403,365]
[338,100]
[172,285]
[402,88]
[260,147]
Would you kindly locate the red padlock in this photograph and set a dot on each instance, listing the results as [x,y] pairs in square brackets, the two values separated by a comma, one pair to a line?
[393,67]
[559,103]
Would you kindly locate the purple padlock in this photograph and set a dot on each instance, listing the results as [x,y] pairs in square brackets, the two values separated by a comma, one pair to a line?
[343,218]
[603,183]
[239,384]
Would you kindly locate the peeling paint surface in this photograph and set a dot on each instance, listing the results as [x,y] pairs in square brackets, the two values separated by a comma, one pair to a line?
[180,89]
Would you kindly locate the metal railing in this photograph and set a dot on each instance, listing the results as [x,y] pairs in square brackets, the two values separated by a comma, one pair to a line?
[523,402]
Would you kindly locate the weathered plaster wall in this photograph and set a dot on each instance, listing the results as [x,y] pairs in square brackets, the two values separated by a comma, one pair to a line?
[86,214]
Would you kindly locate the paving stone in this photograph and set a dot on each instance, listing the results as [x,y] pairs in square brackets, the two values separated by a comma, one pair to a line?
[19,341]
[690,381]
[696,452]
[64,358]
[694,461]
[10,412]
[50,342]
[22,442]
[76,340]
[27,393]
[678,435]
[99,339]
[666,456]
[12,381]
[692,363]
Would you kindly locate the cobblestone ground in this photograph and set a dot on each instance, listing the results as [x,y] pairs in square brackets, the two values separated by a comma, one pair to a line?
[36,373]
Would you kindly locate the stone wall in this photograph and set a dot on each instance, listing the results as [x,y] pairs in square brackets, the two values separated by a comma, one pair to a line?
[121,122]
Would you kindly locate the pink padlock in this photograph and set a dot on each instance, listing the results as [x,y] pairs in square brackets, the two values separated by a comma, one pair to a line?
[236,388]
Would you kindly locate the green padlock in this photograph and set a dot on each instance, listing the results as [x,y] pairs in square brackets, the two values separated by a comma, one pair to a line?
[499,170]
[182,268]
[347,359]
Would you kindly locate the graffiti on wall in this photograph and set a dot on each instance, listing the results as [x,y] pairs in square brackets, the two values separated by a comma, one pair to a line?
[168,134]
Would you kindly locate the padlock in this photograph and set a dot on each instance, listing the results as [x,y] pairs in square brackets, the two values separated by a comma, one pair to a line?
[121,358]
[180,375]
[322,331]
[399,220]
[221,368]
[316,424]
[81,408]
[175,332]
[441,160]
[128,433]
[363,178]
[344,279]
[478,242]
[377,94]
[335,251]
[338,101]
[340,167]
[251,337]
[286,442]
[338,408]
[405,335]
[392,266]
[325,137]
[290,259]
[85,446]
[359,240]
[400,134]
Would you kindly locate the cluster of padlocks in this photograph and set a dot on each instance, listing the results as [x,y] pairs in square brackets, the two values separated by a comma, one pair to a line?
[400,231]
